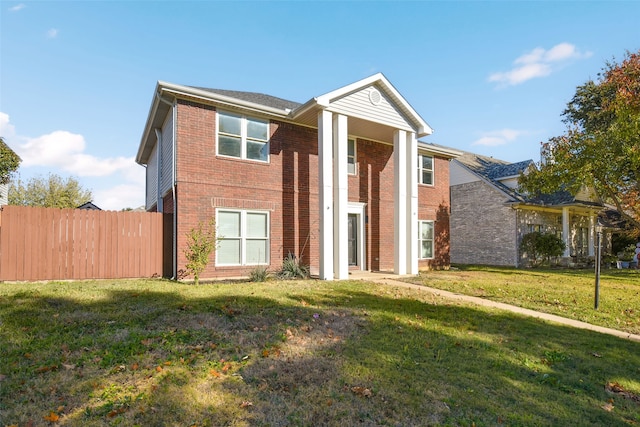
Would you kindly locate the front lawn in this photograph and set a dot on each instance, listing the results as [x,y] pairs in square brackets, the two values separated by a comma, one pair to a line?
[563,292]
[299,353]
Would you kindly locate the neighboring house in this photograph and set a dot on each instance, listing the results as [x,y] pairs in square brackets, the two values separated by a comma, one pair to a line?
[489,215]
[89,206]
[340,181]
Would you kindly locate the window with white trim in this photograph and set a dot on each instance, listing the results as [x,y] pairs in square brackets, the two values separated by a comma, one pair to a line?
[242,137]
[243,236]
[425,169]
[351,156]
[425,239]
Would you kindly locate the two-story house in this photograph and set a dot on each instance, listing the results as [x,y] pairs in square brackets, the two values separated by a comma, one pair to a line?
[340,181]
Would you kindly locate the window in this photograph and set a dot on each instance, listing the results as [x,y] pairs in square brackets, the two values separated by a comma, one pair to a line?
[351,156]
[243,137]
[425,170]
[244,237]
[534,228]
[582,243]
[425,239]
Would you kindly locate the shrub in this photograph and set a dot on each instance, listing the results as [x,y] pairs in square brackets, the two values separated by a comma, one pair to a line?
[201,241]
[292,268]
[259,274]
[541,247]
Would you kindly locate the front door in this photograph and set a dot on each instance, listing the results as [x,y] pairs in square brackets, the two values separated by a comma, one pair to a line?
[353,239]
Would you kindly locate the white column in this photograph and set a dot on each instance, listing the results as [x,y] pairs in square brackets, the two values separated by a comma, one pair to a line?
[565,232]
[412,205]
[340,198]
[400,202]
[592,235]
[325,202]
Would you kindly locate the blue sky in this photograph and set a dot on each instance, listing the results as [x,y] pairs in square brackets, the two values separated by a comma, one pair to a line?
[491,77]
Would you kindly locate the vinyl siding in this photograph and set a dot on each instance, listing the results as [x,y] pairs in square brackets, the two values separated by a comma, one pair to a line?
[359,105]
[166,179]
[152,178]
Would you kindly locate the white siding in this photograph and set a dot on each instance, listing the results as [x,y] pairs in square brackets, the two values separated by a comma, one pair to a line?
[152,178]
[458,174]
[510,182]
[586,194]
[4,191]
[166,178]
[358,104]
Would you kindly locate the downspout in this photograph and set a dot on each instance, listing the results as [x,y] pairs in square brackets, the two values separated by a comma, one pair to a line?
[173,185]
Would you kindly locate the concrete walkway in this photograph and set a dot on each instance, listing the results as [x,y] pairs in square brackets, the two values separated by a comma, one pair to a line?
[392,280]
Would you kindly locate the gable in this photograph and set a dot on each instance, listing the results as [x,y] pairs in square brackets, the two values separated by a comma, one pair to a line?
[458,174]
[371,103]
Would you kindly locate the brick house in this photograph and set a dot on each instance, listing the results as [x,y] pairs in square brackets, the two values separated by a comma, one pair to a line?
[489,215]
[340,181]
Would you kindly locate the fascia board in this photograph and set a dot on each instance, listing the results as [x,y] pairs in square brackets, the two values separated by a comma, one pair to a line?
[153,110]
[442,151]
[423,129]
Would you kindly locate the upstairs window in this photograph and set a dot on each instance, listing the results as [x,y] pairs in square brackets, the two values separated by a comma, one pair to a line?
[351,156]
[243,137]
[425,170]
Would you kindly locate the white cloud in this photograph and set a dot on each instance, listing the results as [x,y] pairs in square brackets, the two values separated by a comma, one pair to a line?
[538,63]
[66,151]
[7,130]
[17,7]
[498,137]
[52,33]
[121,196]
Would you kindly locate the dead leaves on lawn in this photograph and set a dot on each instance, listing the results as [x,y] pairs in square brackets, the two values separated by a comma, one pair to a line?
[619,390]
[361,391]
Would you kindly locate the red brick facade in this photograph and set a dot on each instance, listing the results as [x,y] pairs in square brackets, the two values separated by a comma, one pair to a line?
[287,187]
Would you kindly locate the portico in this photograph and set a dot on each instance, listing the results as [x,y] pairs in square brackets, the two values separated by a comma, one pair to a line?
[371,109]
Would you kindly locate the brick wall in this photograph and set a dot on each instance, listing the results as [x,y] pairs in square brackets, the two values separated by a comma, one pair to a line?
[287,187]
[434,205]
[483,229]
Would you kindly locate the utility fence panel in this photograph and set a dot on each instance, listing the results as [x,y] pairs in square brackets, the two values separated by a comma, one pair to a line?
[50,244]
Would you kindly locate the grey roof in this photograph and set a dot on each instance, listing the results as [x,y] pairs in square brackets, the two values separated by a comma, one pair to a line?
[494,169]
[256,98]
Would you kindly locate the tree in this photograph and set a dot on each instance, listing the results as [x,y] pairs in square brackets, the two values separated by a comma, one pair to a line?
[9,162]
[51,192]
[601,146]
[201,241]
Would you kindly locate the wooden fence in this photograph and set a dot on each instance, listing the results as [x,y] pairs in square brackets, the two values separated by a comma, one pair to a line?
[50,244]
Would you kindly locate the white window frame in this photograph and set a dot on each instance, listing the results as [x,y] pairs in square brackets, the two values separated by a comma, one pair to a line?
[421,169]
[354,157]
[433,239]
[243,136]
[243,237]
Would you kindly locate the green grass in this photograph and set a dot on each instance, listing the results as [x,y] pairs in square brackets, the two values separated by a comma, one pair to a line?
[567,293]
[154,353]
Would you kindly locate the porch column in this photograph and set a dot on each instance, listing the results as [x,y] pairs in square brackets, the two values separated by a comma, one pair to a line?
[412,206]
[400,202]
[565,232]
[325,193]
[592,235]
[340,198]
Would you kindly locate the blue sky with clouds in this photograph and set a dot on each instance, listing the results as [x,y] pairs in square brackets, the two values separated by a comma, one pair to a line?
[491,77]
